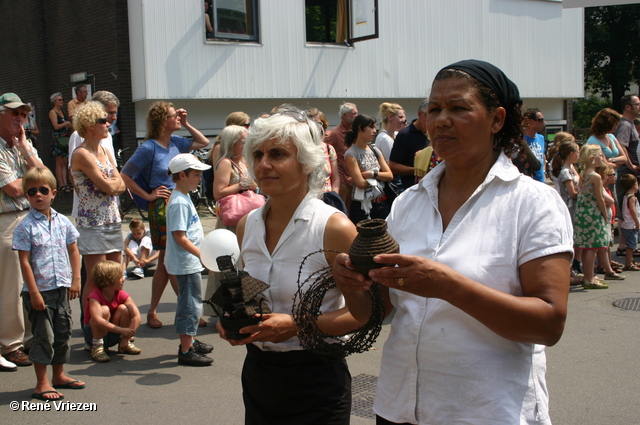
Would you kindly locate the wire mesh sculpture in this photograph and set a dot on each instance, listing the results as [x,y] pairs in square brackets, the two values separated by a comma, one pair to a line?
[238,302]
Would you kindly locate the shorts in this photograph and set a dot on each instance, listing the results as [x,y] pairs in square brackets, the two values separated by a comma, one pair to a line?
[631,236]
[158,223]
[189,303]
[109,340]
[51,327]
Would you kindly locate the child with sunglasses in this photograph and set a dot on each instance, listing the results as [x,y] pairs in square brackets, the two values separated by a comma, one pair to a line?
[50,263]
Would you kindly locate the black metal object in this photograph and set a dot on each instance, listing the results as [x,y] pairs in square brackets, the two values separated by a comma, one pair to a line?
[237,302]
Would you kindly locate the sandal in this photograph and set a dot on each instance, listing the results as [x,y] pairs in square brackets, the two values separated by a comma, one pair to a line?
[616,264]
[129,349]
[594,285]
[153,321]
[613,276]
[632,267]
[621,252]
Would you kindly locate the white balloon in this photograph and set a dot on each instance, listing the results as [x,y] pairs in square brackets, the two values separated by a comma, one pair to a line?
[217,243]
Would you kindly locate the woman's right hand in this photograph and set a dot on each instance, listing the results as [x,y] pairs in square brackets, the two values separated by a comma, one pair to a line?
[347,279]
[159,192]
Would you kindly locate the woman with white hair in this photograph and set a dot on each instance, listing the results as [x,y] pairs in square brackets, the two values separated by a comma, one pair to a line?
[282,382]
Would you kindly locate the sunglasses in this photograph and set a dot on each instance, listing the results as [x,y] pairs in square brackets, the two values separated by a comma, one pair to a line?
[15,113]
[247,125]
[539,119]
[101,121]
[42,189]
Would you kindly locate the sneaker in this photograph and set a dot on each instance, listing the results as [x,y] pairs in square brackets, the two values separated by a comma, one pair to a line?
[98,354]
[193,358]
[7,366]
[130,349]
[201,347]
[138,272]
[18,357]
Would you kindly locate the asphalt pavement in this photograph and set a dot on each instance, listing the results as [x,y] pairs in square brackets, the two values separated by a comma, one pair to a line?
[593,372]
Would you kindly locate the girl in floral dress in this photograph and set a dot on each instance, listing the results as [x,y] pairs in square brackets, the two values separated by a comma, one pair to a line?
[589,224]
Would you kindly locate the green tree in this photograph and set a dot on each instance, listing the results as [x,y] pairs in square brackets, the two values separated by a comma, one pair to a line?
[612,43]
[585,109]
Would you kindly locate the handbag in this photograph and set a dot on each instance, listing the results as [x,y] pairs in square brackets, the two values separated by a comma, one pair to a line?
[234,207]
[62,143]
[392,191]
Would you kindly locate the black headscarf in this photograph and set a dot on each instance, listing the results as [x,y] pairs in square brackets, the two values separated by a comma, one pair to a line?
[492,77]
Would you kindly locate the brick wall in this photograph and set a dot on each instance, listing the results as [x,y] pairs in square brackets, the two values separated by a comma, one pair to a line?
[44,42]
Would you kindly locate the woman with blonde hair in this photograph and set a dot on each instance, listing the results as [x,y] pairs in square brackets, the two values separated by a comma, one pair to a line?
[393,119]
[98,184]
[238,118]
[231,174]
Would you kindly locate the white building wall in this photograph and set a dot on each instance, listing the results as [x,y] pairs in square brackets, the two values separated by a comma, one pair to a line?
[537,43]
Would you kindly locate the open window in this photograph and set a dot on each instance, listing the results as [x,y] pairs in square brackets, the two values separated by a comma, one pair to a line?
[341,21]
[231,20]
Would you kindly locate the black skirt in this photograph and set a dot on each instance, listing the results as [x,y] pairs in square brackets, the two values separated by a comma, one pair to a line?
[294,387]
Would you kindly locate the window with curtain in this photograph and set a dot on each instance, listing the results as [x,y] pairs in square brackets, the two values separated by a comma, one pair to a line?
[233,20]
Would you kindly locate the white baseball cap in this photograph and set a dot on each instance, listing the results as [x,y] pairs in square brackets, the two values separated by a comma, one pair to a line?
[186,161]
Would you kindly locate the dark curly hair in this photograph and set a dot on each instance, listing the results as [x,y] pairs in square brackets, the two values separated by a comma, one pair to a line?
[157,119]
[509,136]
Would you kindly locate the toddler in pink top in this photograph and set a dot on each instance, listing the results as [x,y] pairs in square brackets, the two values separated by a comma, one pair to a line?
[111,317]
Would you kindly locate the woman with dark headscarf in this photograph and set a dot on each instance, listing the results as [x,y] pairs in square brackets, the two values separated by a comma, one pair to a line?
[480,287]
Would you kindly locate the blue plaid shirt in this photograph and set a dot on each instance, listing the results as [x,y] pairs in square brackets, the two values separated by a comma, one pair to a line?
[47,241]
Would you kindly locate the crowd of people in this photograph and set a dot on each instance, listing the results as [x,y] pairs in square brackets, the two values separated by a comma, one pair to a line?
[469,175]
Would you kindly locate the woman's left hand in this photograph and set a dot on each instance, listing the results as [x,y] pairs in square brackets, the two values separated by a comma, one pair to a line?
[413,274]
[275,327]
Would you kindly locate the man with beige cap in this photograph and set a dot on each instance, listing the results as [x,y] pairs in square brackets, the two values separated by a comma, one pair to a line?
[17,155]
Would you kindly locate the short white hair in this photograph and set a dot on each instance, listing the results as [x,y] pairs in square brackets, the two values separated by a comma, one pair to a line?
[347,107]
[289,123]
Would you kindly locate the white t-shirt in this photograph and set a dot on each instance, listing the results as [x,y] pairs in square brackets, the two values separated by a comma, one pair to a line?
[440,365]
[74,141]
[384,142]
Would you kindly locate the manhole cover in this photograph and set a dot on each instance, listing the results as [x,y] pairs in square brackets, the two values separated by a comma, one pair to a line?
[628,304]
[363,389]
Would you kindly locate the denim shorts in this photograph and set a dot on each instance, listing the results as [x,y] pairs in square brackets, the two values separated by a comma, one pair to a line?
[631,236]
[189,303]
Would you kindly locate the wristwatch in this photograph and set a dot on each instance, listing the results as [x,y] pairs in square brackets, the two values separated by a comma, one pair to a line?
[613,160]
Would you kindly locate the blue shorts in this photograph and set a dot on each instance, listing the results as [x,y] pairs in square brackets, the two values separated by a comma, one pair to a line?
[189,303]
[631,237]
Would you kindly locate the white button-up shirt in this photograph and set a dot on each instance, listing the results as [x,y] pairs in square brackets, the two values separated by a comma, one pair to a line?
[440,365]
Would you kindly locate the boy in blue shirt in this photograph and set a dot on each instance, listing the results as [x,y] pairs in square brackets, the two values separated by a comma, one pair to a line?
[182,259]
[50,263]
